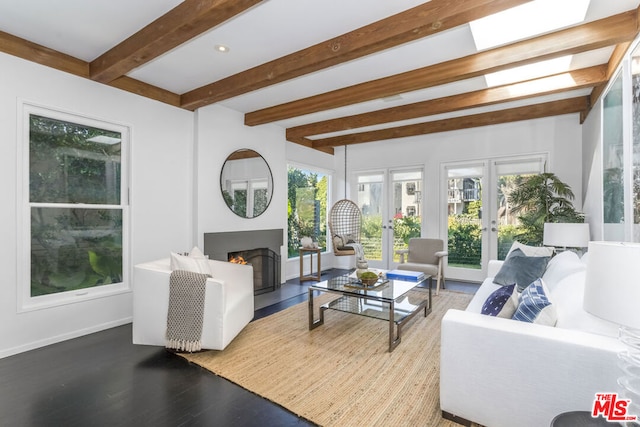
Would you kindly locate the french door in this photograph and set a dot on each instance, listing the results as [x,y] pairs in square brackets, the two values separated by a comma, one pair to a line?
[478,222]
[391,204]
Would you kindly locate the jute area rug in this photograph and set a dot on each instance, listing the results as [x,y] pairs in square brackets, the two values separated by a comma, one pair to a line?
[341,373]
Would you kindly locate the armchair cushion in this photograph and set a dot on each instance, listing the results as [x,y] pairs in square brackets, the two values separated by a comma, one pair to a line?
[423,251]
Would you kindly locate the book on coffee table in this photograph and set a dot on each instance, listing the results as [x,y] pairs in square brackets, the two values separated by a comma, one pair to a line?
[406,275]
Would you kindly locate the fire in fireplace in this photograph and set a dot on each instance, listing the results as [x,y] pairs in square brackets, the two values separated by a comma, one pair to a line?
[266,267]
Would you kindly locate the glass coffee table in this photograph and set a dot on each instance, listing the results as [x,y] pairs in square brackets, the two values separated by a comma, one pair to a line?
[389,300]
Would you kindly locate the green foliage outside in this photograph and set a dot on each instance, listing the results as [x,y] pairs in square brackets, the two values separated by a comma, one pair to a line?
[404,229]
[306,209]
[464,240]
[535,198]
[538,199]
[73,248]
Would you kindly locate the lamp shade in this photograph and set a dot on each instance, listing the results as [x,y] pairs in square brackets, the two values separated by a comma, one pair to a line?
[612,286]
[566,234]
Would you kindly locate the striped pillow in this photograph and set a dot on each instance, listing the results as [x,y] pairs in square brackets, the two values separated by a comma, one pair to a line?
[534,305]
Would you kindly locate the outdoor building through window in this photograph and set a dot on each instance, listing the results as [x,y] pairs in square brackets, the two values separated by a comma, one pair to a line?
[76,212]
[307,208]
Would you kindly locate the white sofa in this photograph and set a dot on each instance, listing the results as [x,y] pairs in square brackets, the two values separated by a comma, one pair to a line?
[502,372]
[228,303]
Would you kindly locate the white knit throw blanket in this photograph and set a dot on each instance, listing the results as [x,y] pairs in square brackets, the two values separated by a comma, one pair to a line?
[186,310]
[357,247]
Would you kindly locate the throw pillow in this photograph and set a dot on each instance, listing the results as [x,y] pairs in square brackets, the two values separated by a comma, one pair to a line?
[532,250]
[196,262]
[534,305]
[502,302]
[343,241]
[520,269]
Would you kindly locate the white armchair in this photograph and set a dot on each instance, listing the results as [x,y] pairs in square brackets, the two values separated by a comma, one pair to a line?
[228,306]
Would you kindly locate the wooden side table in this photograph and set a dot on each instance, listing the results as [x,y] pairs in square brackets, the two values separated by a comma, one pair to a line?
[311,275]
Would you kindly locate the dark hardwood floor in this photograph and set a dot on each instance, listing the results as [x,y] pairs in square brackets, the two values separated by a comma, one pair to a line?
[103,379]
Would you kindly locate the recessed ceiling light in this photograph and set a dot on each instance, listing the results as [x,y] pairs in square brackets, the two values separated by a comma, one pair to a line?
[222,48]
[530,19]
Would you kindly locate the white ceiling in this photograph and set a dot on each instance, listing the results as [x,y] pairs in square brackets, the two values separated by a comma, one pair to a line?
[86,29]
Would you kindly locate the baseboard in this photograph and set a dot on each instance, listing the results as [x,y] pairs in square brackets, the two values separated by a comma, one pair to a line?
[63,337]
[459,420]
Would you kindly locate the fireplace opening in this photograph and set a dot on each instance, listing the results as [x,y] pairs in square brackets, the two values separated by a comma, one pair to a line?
[266,267]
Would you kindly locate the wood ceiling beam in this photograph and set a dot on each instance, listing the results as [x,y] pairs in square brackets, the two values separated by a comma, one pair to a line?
[144,89]
[184,22]
[594,35]
[413,24]
[25,49]
[536,111]
[586,77]
[51,58]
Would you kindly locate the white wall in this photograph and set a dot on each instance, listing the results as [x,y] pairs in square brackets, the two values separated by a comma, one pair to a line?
[176,160]
[219,132]
[161,198]
[560,137]
[592,171]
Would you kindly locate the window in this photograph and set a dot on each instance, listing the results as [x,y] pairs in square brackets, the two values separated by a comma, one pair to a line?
[307,208]
[74,213]
[613,162]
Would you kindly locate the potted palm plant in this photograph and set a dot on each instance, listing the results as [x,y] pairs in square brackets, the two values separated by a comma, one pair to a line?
[538,199]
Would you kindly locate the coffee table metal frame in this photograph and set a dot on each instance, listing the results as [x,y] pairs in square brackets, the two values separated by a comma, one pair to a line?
[388,303]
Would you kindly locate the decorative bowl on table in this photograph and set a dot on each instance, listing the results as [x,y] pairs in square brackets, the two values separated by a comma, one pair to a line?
[368,278]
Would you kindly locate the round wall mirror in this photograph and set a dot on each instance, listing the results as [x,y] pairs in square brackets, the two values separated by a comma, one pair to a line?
[246,183]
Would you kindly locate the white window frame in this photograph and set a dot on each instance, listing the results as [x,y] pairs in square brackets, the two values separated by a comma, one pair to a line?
[25,302]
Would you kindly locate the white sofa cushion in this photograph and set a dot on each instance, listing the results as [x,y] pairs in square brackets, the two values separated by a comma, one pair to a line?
[561,266]
[568,295]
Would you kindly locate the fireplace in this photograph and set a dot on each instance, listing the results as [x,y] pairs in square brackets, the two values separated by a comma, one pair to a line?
[260,248]
[266,267]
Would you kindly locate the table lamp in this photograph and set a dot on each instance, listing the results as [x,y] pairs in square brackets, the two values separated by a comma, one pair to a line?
[612,292]
[566,234]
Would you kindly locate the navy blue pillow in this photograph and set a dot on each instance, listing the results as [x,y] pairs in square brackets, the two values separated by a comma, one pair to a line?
[502,302]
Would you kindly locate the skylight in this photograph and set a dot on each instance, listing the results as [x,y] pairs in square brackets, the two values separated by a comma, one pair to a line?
[522,22]
[104,139]
[530,19]
[546,84]
[530,71]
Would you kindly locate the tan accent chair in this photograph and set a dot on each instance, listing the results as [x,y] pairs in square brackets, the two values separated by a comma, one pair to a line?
[426,255]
